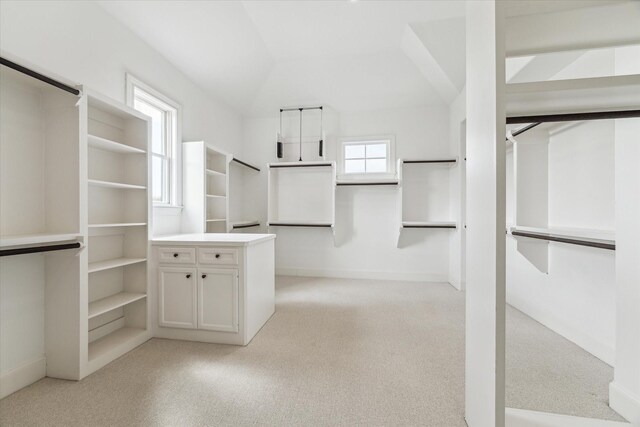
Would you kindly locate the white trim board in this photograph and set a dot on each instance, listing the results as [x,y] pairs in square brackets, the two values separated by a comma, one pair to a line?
[22,376]
[624,402]
[363,274]
[525,418]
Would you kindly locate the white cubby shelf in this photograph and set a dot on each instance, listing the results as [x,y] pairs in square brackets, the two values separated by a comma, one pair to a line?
[109,145]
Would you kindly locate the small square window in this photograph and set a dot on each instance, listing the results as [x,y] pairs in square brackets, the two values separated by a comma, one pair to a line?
[365,156]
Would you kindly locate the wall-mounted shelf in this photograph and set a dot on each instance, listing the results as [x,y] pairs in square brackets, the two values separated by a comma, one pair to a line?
[109,145]
[215,173]
[118,224]
[381,182]
[301,165]
[601,239]
[94,267]
[119,185]
[428,224]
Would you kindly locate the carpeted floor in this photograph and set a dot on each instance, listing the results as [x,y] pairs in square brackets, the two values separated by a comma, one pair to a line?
[337,352]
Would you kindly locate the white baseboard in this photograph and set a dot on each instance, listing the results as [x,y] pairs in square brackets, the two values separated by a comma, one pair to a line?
[358,274]
[526,418]
[580,338]
[20,377]
[625,403]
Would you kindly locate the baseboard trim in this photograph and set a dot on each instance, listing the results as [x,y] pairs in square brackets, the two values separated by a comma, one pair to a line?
[22,376]
[625,403]
[527,418]
[359,274]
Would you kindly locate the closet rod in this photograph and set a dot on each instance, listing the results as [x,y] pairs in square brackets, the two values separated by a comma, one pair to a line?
[284,224]
[300,109]
[246,164]
[429,161]
[574,117]
[37,249]
[428,226]
[578,242]
[313,165]
[524,129]
[38,76]
[257,224]
[366,183]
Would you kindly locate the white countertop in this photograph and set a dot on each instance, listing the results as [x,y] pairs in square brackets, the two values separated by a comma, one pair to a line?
[221,239]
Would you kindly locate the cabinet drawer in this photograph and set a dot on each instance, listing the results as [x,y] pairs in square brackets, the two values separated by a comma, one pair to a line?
[177,255]
[218,256]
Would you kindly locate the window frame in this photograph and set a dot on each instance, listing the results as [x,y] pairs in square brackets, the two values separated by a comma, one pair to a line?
[389,140]
[154,98]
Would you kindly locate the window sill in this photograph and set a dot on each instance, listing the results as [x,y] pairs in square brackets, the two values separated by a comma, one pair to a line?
[167,210]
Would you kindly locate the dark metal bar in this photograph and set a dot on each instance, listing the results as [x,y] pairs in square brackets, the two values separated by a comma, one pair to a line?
[284,224]
[430,161]
[235,227]
[428,226]
[579,242]
[524,129]
[366,183]
[575,117]
[300,108]
[37,249]
[246,164]
[315,165]
[38,76]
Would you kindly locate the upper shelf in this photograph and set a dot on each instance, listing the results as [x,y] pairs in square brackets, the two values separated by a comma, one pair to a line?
[116,147]
[573,96]
[300,164]
[347,182]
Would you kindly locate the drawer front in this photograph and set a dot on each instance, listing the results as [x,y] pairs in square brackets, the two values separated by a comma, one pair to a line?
[218,256]
[177,255]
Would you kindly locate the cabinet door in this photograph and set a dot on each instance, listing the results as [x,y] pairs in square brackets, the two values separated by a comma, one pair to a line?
[177,297]
[218,299]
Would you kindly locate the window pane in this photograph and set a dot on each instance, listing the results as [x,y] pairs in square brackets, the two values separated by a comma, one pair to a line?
[376,150]
[354,151]
[376,165]
[159,174]
[158,139]
[354,166]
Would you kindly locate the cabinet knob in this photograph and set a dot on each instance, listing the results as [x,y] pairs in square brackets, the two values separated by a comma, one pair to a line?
[188,276]
[217,255]
[175,255]
[204,276]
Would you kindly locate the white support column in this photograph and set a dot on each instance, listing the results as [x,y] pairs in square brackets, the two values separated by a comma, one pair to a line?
[485,309]
[624,391]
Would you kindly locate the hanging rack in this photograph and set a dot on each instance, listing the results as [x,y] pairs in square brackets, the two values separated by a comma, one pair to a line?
[279,144]
[38,76]
[38,249]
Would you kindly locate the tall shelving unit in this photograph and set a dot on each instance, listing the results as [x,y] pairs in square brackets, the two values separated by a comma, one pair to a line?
[302,194]
[244,184]
[118,212]
[206,188]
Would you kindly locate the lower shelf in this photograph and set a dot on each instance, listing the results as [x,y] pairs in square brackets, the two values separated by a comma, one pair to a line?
[114,345]
[112,302]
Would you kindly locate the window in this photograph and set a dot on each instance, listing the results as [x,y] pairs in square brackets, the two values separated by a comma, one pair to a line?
[367,156]
[164,115]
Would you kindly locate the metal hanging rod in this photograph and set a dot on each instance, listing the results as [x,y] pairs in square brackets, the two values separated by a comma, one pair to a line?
[38,76]
[295,165]
[284,224]
[574,117]
[236,227]
[428,226]
[367,183]
[578,242]
[430,161]
[246,164]
[38,249]
[300,109]
[524,129]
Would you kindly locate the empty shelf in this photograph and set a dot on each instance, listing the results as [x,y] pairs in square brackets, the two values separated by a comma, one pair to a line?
[428,224]
[118,224]
[116,147]
[107,304]
[245,224]
[300,164]
[36,239]
[113,263]
[215,196]
[113,341]
[601,239]
[110,184]
[300,224]
[212,172]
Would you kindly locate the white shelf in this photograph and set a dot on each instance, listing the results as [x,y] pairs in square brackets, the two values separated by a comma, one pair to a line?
[429,224]
[301,164]
[112,302]
[112,342]
[215,173]
[216,220]
[573,95]
[215,196]
[110,184]
[119,224]
[113,263]
[36,239]
[116,147]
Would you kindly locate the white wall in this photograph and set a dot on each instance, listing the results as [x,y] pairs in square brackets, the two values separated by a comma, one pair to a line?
[457,190]
[81,43]
[366,217]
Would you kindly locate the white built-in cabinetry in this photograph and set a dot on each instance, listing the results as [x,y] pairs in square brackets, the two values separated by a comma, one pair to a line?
[244,188]
[74,169]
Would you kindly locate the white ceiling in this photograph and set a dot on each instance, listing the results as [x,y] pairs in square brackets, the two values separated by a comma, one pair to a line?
[257,56]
